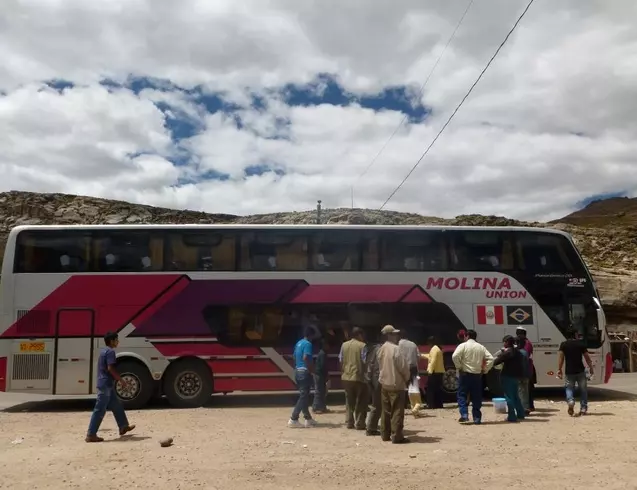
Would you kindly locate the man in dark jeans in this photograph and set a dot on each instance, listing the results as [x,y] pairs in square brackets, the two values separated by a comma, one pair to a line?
[320,379]
[512,371]
[303,375]
[572,351]
[107,399]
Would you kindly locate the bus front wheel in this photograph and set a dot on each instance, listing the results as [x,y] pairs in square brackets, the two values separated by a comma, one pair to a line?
[140,385]
[188,383]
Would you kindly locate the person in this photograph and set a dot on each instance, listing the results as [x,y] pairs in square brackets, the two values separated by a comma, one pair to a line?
[393,378]
[409,350]
[320,379]
[472,360]
[512,371]
[303,375]
[571,353]
[352,361]
[435,373]
[371,376]
[520,332]
[523,382]
[107,398]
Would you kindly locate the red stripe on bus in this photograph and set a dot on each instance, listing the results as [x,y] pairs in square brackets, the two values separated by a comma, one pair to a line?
[243,366]
[115,300]
[203,349]
[253,384]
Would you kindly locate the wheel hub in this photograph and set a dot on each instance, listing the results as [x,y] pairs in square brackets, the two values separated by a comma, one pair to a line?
[131,390]
[450,381]
[188,385]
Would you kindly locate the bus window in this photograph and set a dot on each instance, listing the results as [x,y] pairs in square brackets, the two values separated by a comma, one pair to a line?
[274,250]
[200,251]
[481,250]
[52,251]
[547,253]
[413,251]
[336,251]
[128,251]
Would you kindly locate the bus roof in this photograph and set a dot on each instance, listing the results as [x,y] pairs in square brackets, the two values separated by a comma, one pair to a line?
[199,226]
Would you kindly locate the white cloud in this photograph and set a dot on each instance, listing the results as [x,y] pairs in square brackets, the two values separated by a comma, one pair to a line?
[551,123]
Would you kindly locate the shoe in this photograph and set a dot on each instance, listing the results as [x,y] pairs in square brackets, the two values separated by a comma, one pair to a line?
[350,427]
[477,422]
[571,407]
[583,411]
[310,423]
[512,421]
[94,438]
[385,439]
[404,440]
[462,420]
[372,433]
[294,424]
[126,430]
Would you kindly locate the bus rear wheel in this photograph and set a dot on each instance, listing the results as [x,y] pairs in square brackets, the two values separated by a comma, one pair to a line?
[140,387]
[188,383]
[450,384]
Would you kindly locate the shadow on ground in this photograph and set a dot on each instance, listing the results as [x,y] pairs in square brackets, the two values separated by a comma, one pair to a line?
[555,395]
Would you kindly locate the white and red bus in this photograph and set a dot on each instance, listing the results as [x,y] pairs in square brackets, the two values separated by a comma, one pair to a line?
[203,309]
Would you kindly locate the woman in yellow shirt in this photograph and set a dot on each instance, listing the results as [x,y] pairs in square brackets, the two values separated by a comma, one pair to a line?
[435,372]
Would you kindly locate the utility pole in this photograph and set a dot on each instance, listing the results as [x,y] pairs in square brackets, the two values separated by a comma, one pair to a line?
[318,212]
[352,197]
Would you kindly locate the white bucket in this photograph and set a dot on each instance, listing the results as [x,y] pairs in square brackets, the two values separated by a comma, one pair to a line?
[500,405]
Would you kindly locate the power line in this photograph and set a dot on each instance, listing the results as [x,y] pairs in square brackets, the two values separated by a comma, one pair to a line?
[459,105]
[420,92]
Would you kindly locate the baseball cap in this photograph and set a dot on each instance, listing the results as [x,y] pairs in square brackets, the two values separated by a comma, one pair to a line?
[387,329]
[520,329]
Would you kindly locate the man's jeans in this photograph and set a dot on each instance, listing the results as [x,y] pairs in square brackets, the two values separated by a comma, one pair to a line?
[107,400]
[470,385]
[320,393]
[304,384]
[580,379]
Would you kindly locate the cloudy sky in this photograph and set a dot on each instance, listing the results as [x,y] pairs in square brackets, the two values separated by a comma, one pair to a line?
[246,106]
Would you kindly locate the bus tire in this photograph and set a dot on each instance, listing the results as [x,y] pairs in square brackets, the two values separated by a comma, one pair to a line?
[449,382]
[493,383]
[188,383]
[141,383]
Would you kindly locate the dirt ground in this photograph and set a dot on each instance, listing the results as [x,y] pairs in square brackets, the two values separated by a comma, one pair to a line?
[240,444]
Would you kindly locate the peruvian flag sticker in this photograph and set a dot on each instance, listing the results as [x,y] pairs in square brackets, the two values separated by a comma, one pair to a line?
[490,315]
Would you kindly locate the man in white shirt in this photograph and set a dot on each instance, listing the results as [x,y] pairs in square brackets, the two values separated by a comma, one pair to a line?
[472,360]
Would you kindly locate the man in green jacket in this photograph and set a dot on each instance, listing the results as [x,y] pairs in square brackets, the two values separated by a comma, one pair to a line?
[352,359]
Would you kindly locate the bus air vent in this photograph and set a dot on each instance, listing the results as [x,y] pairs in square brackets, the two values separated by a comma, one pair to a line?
[31,366]
[33,321]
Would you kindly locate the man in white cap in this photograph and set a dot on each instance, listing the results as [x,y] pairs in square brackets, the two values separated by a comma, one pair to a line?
[393,378]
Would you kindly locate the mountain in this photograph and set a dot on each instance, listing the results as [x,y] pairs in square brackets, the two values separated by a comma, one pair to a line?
[605,231]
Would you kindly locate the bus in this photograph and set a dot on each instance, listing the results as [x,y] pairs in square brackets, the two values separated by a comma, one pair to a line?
[203,309]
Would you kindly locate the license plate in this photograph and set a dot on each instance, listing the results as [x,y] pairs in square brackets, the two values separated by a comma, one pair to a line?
[31,346]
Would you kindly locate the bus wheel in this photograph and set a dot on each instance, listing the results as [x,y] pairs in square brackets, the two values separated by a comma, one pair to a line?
[188,383]
[140,385]
[450,384]
[493,383]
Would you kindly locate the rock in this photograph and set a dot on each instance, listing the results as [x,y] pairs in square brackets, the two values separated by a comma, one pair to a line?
[168,441]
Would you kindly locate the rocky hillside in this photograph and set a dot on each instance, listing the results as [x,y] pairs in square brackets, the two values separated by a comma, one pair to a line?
[605,231]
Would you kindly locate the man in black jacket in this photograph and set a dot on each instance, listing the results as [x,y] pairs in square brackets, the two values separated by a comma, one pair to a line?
[512,372]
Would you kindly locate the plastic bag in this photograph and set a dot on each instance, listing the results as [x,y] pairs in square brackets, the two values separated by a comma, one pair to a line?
[414,385]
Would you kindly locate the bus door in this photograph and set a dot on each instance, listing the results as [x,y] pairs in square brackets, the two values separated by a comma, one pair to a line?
[74,332]
[584,317]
